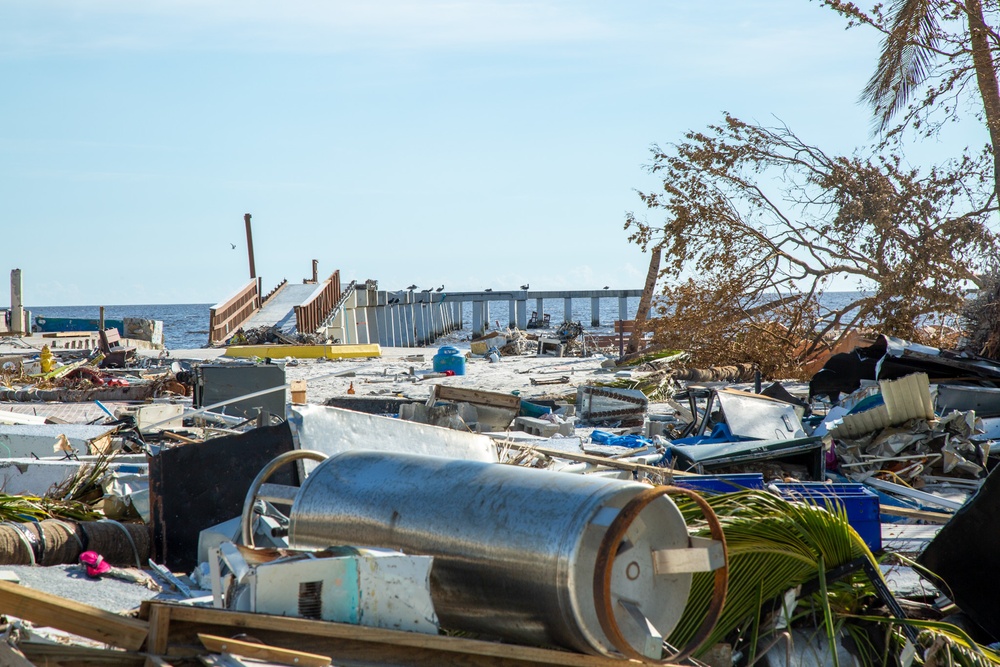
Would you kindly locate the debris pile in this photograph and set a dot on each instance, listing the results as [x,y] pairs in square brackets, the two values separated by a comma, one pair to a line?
[220,508]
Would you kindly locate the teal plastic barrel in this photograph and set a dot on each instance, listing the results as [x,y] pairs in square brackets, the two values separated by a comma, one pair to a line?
[449,358]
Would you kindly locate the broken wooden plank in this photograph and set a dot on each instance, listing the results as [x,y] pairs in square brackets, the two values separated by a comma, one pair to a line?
[243,649]
[476,397]
[72,616]
[923,515]
[180,438]
[599,460]
[72,655]
[354,644]
[562,379]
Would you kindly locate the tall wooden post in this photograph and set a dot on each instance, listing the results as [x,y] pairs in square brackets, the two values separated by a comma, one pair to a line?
[253,270]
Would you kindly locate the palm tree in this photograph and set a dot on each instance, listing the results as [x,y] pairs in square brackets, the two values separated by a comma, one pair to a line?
[914,39]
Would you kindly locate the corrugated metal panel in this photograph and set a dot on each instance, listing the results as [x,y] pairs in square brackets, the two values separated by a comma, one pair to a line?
[908,398]
[904,399]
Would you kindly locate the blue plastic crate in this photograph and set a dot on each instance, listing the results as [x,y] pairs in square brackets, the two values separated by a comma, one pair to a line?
[860,502]
[713,484]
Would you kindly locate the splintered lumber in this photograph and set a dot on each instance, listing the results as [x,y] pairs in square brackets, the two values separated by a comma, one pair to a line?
[71,616]
[72,655]
[494,399]
[923,515]
[175,634]
[280,656]
[598,460]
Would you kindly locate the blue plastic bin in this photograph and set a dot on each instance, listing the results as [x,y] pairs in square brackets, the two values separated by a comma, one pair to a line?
[713,484]
[860,502]
[449,358]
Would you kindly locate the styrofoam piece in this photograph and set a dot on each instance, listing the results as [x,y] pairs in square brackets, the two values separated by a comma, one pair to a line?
[333,430]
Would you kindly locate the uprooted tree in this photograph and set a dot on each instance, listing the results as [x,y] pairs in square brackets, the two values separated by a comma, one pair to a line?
[758,224]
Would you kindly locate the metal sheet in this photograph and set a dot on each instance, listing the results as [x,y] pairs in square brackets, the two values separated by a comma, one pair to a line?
[984,400]
[759,417]
[23,440]
[332,430]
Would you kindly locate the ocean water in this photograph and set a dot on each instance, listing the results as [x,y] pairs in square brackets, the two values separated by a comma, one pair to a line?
[185,326]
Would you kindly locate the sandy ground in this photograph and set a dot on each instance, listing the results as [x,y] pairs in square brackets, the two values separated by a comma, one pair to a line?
[399,372]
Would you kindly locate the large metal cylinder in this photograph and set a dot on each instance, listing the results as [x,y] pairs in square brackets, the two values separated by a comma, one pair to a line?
[514,548]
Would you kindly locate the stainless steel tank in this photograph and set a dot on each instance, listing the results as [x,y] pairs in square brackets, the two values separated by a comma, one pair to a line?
[515,549]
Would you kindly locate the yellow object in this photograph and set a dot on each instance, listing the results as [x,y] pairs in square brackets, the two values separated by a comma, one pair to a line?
[46,359]
[306,351]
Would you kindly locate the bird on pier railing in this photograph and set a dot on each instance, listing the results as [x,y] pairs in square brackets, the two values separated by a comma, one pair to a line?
[488,289]
[440,289]
[412,287]
[606,287]
[425,291]
[525,286]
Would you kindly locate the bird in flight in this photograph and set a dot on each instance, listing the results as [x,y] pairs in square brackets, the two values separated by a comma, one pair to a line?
[525,286]
[412,287]
[234,245]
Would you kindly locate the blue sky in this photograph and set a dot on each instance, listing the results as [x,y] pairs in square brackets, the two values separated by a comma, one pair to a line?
[463,143]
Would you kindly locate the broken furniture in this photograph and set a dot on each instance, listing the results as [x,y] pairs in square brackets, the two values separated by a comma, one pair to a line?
[553,346]
[116,355]
[583,590]
[730,414]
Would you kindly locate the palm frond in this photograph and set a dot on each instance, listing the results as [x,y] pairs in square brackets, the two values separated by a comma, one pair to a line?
[774,545]
[905,61]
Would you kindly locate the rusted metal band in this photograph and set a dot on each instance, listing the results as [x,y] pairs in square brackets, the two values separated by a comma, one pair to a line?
[246,518]
[606,557]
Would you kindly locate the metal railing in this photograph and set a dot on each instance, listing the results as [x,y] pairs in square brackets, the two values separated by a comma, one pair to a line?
[225,318]
[310,315]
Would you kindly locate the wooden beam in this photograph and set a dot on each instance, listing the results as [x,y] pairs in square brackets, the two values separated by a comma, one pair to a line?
[444,392]
[352,643]
[71,616]
[924,515]
[281,656]
[598,460]
[71,655]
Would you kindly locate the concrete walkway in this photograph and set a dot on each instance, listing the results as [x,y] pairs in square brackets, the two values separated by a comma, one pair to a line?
[279,310]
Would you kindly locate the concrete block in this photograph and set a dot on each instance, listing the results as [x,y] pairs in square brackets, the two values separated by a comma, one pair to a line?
[539,427]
